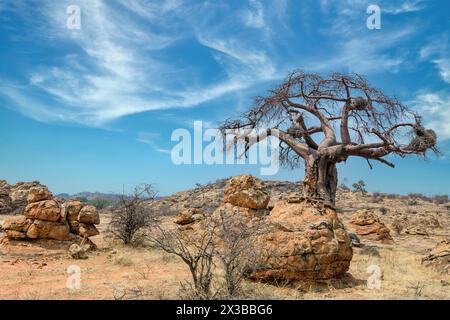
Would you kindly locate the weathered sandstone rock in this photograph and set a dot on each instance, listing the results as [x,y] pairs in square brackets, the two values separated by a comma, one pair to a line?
[89,215]
[369,227]
[305,243]
[36,194]
[246,191]
[47,210]
[48,230]
[439,257]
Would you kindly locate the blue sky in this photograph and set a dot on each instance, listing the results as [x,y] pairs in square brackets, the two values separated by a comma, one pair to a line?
[93,109]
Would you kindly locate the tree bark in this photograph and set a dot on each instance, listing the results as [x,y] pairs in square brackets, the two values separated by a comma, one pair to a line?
[320,179]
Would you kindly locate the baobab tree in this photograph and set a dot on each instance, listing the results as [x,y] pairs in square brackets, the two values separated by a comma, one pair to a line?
[321,121]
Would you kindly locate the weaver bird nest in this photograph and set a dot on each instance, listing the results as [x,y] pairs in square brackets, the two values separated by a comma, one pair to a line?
[423,139]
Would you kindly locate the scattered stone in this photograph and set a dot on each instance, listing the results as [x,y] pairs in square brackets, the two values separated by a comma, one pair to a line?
[416,230]
[78,251]
[439,257]
[355,240]
[295,198]
[369,227]
[188,216]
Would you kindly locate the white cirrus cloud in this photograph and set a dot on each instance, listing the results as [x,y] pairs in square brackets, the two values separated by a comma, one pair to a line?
[117,64]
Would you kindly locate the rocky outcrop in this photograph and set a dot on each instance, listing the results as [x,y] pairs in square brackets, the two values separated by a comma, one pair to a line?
[369,227]
[5,199]
[307,242]
[246,191]
[46,218]
[439,257]
[46,210]
[300,239]
[19,195]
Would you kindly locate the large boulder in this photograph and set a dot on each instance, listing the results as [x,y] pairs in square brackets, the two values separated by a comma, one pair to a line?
[439,257]
[47,210]
[70,210]
[36,194]
[48,230]
[87,230]
[19,195]
[17,223]
[246,191]
[16,227]
[89,215]
[369,227]
[305,242]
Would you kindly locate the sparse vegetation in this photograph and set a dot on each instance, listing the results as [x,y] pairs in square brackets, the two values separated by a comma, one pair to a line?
[99,203]
[132,214]
[360,186]
[196,250]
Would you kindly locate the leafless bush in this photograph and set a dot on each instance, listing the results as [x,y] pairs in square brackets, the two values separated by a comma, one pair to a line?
[238,250]
[398,226]
[132,214]
[195,249]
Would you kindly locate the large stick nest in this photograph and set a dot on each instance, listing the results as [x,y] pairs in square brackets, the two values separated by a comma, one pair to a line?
[422,140]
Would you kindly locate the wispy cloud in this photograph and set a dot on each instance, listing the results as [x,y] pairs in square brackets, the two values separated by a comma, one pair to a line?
[254,16]
[438,53]
[404,7]
[117,70]
[150,139]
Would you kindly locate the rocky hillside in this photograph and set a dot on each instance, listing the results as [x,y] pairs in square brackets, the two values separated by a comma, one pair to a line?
[209,197]
[414,214]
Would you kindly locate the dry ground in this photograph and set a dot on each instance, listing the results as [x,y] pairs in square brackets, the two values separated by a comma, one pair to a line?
[38,270]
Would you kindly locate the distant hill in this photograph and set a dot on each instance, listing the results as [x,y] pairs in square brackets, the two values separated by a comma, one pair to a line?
[112,197]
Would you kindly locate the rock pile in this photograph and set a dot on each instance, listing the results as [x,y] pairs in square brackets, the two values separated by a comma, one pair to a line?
[439,257]
[189,215]
[369,227]
[13,198]
[45,218]
[302,240]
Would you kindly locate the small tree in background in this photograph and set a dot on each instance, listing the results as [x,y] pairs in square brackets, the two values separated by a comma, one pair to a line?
[132,213]
[360,186]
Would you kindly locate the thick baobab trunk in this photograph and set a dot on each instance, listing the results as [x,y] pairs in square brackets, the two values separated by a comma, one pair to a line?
[320,179]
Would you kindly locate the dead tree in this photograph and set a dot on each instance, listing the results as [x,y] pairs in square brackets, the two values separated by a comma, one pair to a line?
[321,121]
[132,213]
